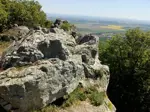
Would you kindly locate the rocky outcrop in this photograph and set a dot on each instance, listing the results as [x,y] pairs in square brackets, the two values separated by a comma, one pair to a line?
[38,45]
[58,23]
[43,67]
[22,30]
[40,84]
[87,39]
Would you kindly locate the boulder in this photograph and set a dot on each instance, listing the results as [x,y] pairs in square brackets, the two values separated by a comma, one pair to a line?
[38,45]
[22,29]
[45,30]
[87,52]
[14,34]
[87,39]
[37,28]
[15,25]
[47,81]
[57,30]
[43,67]
[74,34]
[37,86]
[58,23]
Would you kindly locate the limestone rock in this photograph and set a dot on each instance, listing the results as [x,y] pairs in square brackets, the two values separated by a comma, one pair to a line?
[38,45]
[44,66]
[39,85]
[87,39]
[57,30]
[45,30]
[58,23]
[22,30]
[87,52]
[37,28]
[14,34]
[15,25]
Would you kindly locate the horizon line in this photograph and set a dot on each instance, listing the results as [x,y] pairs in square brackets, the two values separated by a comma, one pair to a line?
[131,19]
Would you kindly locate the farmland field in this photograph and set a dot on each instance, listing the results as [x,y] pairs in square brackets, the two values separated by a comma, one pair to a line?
[113,27]
[104,27]
[96,25]
[98,28]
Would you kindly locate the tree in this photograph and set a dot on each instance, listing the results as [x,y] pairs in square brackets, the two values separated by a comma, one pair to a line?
[3,16]
[22,12]
[129,61]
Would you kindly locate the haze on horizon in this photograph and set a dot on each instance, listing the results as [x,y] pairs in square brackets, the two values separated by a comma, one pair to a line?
[127,9]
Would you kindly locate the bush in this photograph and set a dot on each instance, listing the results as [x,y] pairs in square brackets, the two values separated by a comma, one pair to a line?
[75,96]
[97,98]
[66,26]
[48,23]
[22,12]
[81,94]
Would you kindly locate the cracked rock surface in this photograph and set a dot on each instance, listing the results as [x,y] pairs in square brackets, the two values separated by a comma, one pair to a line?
[43,67]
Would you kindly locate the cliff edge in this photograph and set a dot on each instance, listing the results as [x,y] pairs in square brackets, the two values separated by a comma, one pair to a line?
[44,66]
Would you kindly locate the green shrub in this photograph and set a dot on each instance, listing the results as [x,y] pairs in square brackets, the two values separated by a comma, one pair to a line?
[22,12]
[97,98]
[48,23]
[66,26]
[80,94]
[90,90]
[51,108]
[74,97]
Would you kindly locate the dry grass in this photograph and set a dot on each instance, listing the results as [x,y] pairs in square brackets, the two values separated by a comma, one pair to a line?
[11,32]
[113,27]
[3,46]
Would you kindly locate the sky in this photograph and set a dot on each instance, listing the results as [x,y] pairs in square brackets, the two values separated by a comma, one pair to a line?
[128,9]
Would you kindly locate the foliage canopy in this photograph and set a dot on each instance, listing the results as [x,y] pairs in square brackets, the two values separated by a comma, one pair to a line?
[129,60]
[22,12]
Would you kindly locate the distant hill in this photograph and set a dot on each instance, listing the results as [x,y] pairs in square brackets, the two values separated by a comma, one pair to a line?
[89,24]
[78,18]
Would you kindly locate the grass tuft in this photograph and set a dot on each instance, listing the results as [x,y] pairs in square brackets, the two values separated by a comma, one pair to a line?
[80,94]
[97,98]
[51,108]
